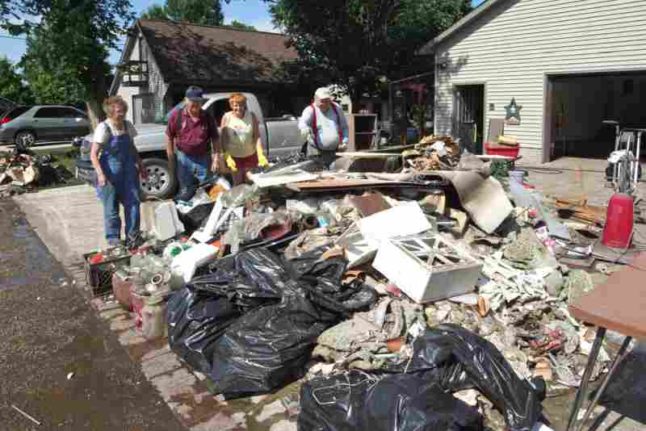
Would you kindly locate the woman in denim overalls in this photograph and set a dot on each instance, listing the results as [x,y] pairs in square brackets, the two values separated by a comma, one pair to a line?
[118,168]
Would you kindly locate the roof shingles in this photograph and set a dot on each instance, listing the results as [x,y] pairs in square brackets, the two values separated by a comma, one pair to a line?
[203,54]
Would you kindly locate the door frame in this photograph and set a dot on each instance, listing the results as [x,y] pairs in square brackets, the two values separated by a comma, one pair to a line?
[485,126]
[548,130]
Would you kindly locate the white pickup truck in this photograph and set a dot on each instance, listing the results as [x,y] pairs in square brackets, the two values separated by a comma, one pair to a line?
[280,137]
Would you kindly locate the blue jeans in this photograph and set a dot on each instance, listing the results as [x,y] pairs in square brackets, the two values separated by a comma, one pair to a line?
[191,172]
[111,197]
[122,187]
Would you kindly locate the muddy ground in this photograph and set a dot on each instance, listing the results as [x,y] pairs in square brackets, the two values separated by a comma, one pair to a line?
[47,331]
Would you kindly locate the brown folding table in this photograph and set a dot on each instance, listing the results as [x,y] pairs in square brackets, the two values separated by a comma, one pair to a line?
[619,304]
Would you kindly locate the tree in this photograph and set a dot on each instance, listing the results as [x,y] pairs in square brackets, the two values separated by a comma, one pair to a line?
[52,77]
[67,49]
[356,43]
[240,25]
[207,12]
[155,12]
[11,84]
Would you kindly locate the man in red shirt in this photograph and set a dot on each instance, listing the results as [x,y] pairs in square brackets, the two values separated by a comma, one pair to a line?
[189,132]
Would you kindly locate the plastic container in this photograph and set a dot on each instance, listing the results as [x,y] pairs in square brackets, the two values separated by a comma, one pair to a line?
[618,230]
[499,150]
[518,176]
[153,318]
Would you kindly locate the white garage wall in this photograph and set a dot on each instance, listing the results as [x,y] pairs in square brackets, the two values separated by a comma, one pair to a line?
[513,47]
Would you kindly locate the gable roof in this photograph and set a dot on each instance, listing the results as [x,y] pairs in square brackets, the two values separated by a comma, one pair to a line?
[190,53]
[476,13]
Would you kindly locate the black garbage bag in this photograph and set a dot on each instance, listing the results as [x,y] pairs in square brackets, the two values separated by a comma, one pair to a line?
[249,279]
[195,319]
[266,317]
[323,280]
[387,402]
[458,359]
[269,346]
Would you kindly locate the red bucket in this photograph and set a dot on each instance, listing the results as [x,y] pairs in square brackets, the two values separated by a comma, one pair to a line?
[619,221]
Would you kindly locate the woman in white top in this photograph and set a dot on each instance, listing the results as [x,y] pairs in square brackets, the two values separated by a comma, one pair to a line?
[240,133]
[118,168]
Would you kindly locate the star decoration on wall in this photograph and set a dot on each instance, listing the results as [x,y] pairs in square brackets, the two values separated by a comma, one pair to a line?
[512,115]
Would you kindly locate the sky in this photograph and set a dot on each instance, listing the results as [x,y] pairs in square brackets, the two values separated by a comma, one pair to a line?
[251,12]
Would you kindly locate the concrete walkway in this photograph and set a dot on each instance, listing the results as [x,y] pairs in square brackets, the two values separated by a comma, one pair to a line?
[59,363]
[68,220]
[70,223]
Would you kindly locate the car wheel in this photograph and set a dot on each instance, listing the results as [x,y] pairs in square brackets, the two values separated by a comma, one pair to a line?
[159,184]
[25,139]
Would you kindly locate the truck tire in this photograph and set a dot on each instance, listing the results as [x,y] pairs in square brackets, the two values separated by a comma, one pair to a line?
[159,184]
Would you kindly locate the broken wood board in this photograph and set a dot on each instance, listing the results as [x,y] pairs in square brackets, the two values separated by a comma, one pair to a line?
[427,268]
[579,210]
[339,184]
[483,198]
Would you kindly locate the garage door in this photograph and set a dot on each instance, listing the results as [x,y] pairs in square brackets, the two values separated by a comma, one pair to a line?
[578,105]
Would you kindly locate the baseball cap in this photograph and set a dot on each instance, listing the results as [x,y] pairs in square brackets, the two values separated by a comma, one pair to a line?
[194,94]
[323,93]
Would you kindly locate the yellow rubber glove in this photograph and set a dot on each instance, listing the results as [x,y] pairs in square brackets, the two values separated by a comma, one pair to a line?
[230,162]
[262,160]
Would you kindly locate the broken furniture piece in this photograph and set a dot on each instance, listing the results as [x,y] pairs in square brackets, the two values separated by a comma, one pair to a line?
[361,241]
[618,305]
[427,268]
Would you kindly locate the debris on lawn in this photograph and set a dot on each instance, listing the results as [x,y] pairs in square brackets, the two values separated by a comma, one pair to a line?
[21,172]
[383,282]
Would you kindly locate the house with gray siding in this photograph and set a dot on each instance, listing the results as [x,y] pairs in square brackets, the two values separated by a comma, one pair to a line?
[568,65]
[161,58]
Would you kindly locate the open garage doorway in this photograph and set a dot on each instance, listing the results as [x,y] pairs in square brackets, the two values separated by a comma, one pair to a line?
[578,105]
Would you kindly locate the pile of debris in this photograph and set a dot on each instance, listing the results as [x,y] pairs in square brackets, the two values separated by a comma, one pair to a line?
[422,282]
[433,153]
[24,171]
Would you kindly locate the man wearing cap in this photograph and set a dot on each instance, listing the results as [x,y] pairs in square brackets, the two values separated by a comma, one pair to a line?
[189,132]
[324,126]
